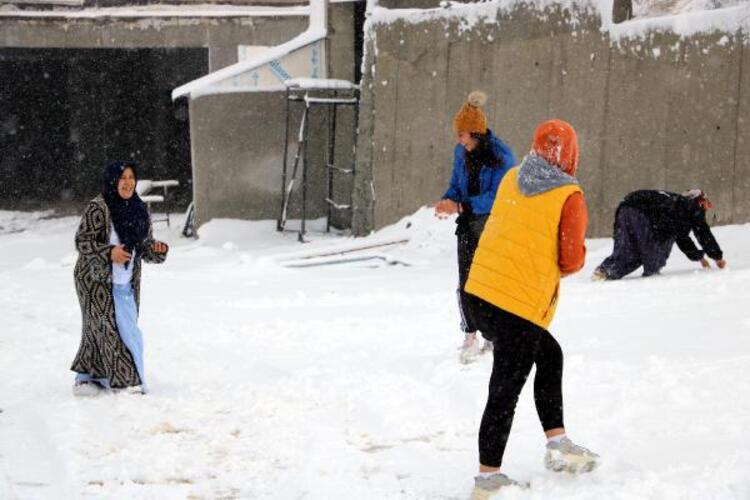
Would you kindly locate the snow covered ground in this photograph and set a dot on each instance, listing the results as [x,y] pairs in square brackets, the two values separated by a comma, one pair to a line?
[341,382]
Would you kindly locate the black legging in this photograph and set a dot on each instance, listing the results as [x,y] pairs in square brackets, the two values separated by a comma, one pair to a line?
[518,344]
[468,232]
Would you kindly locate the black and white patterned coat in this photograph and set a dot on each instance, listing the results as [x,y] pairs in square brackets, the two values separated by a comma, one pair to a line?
[102,354]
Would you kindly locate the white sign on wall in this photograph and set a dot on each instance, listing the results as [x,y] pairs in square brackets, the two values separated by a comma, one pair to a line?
[305,62]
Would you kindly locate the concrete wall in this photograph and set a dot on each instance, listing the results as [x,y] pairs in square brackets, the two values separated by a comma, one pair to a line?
[33,4]
[237,151]
[220,35]
[660,112]
[238,142]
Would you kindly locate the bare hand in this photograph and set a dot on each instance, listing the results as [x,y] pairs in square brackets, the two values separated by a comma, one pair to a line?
[705,264]
[446,207]
[159,247]
[120,255]
[721,263]
[438,206]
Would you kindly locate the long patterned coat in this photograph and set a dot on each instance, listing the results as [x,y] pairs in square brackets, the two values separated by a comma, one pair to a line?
[102,354]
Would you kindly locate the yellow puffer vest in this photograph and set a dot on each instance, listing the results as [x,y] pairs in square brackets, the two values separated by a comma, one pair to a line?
[515,266]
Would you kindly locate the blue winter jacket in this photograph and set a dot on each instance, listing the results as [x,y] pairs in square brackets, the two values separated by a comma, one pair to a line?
[489,177]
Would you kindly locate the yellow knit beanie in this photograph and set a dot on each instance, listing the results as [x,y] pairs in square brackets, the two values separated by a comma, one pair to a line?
[470,117]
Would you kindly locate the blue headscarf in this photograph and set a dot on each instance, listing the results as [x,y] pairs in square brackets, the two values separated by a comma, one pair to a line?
[130,217]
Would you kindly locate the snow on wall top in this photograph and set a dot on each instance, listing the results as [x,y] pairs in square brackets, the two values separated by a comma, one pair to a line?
[144,11]
[728,20]
[684,17]
[658,8]
[468,15]
[319,84]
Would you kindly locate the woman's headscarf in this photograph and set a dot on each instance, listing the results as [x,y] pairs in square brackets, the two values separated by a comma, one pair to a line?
[130,217]
[556,141]
[699,197]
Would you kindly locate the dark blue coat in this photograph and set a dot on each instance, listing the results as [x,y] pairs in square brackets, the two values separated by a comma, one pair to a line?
[489,176]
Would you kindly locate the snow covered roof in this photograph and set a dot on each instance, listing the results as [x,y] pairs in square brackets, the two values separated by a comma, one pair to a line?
[146,11]
[209,84]
[68,3]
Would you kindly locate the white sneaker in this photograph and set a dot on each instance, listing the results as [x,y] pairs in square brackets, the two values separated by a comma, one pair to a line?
[486,487]
[87,389]
[566,456]
[469,349]
[468,339]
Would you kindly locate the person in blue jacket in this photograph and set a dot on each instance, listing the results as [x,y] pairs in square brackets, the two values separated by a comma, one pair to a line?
[480,160]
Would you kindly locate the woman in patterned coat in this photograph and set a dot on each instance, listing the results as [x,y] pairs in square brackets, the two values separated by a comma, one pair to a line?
[112,240]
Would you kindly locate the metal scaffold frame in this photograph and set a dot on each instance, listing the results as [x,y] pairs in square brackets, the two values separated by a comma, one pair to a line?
[330,94]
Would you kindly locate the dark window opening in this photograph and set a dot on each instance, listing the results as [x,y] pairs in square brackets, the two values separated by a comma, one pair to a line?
[622,10]
[359,37]
[65,112]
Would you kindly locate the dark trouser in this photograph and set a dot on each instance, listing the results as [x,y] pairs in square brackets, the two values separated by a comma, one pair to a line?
[518,345]
[468,232]
[635,246]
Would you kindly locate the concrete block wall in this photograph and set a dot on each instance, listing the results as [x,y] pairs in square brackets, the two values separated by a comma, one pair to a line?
[741,186]
[654,112]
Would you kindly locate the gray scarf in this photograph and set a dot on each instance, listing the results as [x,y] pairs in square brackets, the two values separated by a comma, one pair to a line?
[536,176]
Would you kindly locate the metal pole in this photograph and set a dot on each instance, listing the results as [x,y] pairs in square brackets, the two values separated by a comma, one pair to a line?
[284,166]
[304,174]
[356,134]
[297,156]
[166,203]
[331,162]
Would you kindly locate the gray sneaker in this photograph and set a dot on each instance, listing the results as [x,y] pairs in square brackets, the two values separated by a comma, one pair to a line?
[566,456]
[469,349]
[485,487]
[599,275]
[486,347]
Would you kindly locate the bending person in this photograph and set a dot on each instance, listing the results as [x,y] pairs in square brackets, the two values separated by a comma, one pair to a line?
[480,160]
[534,236]
[648,223]
[114,236]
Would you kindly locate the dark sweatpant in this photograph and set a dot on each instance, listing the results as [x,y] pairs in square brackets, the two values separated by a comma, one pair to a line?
[518,345]
[468,232]
[635,246]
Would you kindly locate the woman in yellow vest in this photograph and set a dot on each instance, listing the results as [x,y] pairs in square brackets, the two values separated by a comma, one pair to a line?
[533,236]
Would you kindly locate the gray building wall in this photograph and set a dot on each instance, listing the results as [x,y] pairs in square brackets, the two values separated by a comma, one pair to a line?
[238,143]
[658,112]
[236,139]
[220,35]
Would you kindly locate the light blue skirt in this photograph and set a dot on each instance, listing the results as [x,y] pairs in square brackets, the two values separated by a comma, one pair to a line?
[126,315]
